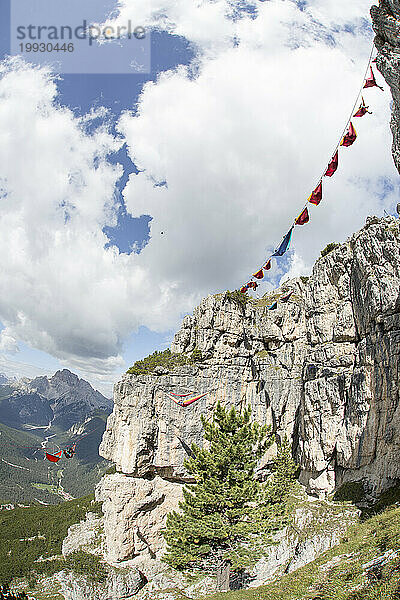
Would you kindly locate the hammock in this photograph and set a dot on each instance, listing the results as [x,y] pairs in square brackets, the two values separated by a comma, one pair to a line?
[303,218]
[371,81]
[285,245]
[267,266]
[333,165]
[185,403]
[350,137]
[316,196]
[54,458]
[259,274]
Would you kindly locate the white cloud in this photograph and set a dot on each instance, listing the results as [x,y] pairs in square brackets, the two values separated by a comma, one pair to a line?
[8,343]
[240,145]
[61,291]
[243,144]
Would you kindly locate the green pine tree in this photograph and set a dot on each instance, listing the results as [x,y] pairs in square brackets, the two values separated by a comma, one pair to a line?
[227,515]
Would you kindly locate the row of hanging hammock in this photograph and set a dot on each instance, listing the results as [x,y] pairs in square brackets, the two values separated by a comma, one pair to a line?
[285,299]
[346,140]
[67,451]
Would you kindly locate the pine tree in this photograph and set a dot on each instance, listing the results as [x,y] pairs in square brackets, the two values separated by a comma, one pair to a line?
[227,512]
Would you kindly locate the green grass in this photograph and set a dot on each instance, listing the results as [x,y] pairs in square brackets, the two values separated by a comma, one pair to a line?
[340,573]
[38,531]
[53,489]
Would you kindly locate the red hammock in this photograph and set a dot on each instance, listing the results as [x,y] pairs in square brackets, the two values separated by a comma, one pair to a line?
[303,218]
[316,196]
[185,403]
[333,165]
[371,81]
[267,266]
[350,137]
[287,297]
[54,458]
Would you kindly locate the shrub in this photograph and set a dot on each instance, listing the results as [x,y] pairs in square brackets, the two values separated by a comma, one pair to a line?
[87,565]
[329,248]
[238,298]
[164,359]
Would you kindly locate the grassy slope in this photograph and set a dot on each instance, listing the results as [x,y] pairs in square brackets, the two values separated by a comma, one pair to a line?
[38,531]
[341,573]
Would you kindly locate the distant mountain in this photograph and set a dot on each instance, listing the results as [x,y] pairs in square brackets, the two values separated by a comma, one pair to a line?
[62,399]
[51,413]
[3,379]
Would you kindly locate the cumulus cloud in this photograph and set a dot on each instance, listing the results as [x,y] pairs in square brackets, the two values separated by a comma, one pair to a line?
[228,154]
[61,290]
[8,343]
[243,144]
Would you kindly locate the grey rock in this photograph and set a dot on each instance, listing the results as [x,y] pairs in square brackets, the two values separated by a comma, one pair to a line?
[386,23]
[135,512]
[317,527]
[121,583]
[88,536]
[321,370]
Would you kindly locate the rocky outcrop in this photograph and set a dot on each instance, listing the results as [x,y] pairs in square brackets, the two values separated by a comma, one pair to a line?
[386,23]
[136,510]
[315,528]
[321,369]
[120,583]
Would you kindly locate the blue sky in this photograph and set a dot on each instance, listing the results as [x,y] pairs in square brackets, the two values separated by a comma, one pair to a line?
[82,92]
[114,226]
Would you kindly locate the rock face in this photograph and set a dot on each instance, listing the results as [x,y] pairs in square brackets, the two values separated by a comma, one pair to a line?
[386,23]
[321,369]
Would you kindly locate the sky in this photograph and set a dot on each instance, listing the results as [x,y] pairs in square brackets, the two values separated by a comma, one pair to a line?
[125,198]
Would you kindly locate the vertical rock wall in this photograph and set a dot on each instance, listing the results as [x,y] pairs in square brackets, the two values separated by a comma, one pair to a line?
[322,369]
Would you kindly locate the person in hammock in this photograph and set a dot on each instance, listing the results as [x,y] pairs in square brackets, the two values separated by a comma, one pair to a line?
[69,452]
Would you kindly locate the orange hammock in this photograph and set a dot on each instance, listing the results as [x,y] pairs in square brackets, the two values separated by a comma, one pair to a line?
[54,458]
[187,402]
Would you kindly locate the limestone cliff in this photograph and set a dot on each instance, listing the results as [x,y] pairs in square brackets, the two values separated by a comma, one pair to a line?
[321,369]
